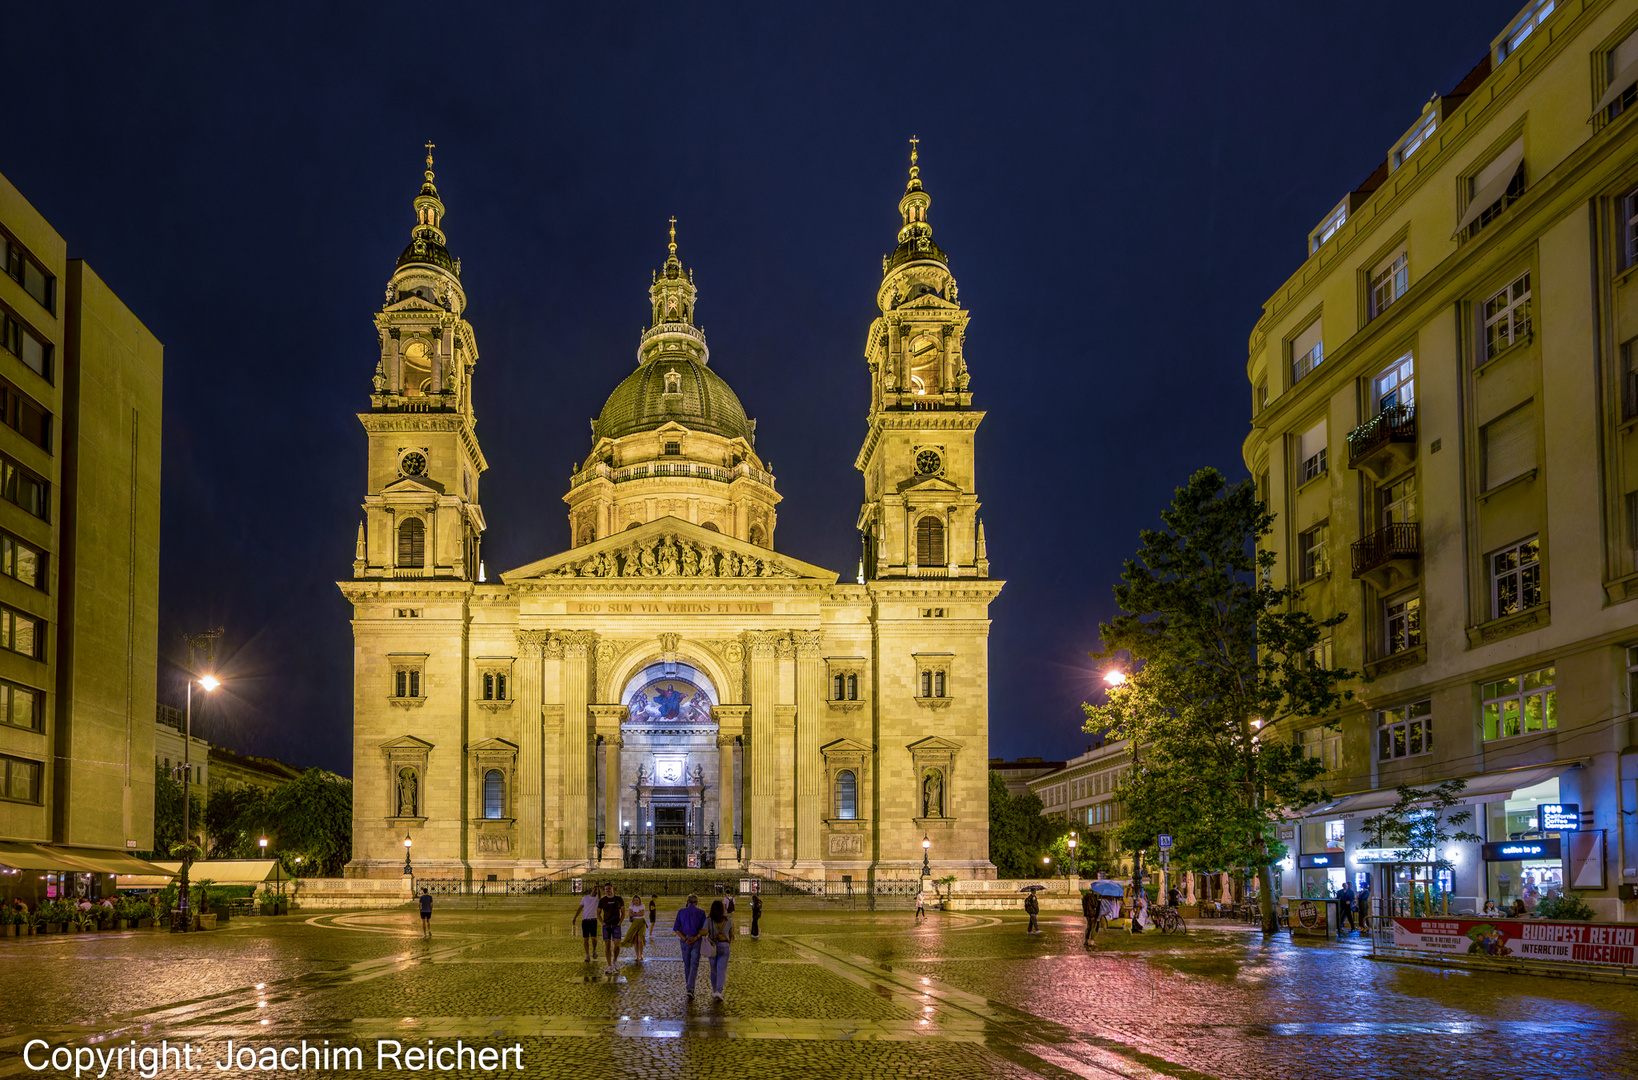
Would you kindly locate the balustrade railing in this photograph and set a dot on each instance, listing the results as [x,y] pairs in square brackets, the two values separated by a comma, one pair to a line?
[1401,540]
[1396,423]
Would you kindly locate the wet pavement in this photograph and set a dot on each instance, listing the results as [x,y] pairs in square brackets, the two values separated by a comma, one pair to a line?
[830,994]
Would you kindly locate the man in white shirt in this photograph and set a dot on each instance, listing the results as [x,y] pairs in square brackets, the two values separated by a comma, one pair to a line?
[587,914]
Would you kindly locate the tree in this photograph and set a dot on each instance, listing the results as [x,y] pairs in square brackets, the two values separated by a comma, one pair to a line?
[1221,662]
[1019,835]
[235,820]
[1414,827]
[168,813]
[313,817]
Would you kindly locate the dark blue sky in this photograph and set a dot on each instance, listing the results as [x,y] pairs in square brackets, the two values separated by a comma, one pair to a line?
[1119,187]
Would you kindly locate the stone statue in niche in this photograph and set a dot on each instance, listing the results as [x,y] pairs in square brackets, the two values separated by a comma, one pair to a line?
[642,774]
[699,774]
[932,794]
[380,378]
[407,793]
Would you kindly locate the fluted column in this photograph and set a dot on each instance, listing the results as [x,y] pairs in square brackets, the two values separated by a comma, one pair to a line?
[810,706]
[762,820]
[531,810]
[577,804]
[613,858]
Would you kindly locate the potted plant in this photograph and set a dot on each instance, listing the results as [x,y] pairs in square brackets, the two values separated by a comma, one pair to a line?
[9,918]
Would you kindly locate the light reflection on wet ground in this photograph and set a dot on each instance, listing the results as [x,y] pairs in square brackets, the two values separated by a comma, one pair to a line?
[838,994]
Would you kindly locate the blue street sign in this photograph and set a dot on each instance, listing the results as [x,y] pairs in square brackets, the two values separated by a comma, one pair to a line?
[1165,841]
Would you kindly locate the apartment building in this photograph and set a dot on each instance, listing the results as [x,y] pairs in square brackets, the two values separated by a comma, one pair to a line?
[1017,774]
[1082,793]
[1445,421]
[80,384]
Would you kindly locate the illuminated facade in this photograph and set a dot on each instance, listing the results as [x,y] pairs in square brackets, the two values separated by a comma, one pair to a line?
[670,691]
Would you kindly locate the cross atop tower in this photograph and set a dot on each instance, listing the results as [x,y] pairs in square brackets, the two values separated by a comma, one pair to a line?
[673,246]
[431,144]
[913,142]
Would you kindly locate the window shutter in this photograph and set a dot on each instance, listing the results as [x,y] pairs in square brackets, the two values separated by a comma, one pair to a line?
[1305,341]
[1624,67]
[1312,442]
[1509,446]
[1491,182]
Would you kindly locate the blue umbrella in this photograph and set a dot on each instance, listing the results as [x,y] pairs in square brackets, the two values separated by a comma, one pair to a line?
[1107,888]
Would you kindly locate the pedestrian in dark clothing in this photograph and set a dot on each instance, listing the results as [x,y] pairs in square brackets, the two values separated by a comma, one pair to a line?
[690,928]
[426,912]
[1091,908]
[612,911]
[756,914]
[1345,908]
[1033,906]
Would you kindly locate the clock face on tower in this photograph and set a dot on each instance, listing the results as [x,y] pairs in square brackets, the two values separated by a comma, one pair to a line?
[413,463]
[928,462]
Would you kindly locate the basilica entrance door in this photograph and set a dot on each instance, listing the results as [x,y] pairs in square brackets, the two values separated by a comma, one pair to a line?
[671,837]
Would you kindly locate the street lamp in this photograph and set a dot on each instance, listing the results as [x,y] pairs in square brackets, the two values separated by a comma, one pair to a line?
[1114,677]
[207,682]
[262,843]
[1072,864]
[926,871]
[1046,865]
[407,868]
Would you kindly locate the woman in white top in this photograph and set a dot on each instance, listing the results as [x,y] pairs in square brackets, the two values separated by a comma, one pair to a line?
[638,934]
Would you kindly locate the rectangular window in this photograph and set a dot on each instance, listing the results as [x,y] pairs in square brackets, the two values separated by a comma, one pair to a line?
[1623,72]
[1515,578]
[1311,451]
[22,561]
[1402,617]
[1262,394]
[23,487]
[1404,732]
[1389,281]
[494,686]
[1507,318]
[1632,520]
[1312,559]
[17,338]
[1629,238]
[21,633]
[1522,27]
[1521,705]
[1396,385]
[1629,380]
[19,779]
[1417,136]
[1323,745]
[1328,228]
[1319,654]
[938,684]
[1396,502]
[20,706]
[24,415]
[407,683]
[673,448]
[1509,444]
[28,272]
[1632,678]
[927,684]
[1307,352]
[853,688]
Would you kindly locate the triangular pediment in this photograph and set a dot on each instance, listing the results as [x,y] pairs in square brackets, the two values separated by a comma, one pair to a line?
[939,484]
[413,485]
[406,742]
[495,744]
[670,548]
[413,302]
[928,300]
[845,746]
[933,742]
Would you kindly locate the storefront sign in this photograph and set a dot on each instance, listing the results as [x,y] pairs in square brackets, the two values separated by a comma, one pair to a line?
[1558,817]
[1515,850]
[1523,939]
[1376,855]
[1285,832]
[1310,862]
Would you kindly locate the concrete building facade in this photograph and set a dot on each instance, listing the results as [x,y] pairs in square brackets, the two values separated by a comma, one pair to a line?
[1444,406]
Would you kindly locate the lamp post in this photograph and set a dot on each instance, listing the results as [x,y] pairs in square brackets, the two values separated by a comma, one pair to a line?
[1046,865]
[1072,864]
[207,682]
[409,872]
[926,871]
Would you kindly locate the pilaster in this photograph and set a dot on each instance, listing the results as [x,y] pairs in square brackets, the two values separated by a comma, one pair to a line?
[531,809]
[762,820]
[577,793]
[810,706]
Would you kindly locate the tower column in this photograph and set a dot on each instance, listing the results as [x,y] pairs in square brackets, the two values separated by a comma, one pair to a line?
[613,858]
[577,795]
[730,724]
[764,688]
[531,811]
[810,702]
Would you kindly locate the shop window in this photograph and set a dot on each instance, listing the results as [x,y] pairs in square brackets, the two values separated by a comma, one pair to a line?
[494,794]
[1515,578]
[1405,731]
[847,795]
[1520,705]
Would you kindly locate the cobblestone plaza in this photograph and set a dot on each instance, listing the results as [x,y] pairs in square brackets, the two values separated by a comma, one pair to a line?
[831,993]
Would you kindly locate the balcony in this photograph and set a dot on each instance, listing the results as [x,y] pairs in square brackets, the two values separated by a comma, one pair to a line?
[1384,443]
[1389,556]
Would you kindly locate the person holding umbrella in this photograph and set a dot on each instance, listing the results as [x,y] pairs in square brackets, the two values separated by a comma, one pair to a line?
[1104,895]
[1032,906]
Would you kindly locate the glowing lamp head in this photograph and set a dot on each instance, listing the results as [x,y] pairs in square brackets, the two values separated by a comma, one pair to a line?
[1072,841]
[406,842]
[1046,859]
[209,682]
[1114,677]
[925,843]
[262,843]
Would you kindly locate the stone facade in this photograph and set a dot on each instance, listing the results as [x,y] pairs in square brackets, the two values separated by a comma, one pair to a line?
[670,691]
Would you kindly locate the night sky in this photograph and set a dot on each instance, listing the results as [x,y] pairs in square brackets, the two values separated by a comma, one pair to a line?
[1118,187]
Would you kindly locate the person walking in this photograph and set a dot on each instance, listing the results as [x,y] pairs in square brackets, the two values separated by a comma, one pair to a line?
[613,911]
[1033,907]
[426,912]
[1140,911]
[756,914]
[586,914]
[720,929]
[1091,907]
[690,928]
[1346,899]
[653,913]
[637,936]
[921,904]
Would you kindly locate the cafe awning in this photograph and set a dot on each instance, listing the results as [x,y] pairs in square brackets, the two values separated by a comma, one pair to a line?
[62,859]
[218,871]
[1481,788]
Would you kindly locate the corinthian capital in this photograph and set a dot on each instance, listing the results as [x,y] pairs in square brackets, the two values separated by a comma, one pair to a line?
[576,643]
[531,643]
[760,644]
[807,643]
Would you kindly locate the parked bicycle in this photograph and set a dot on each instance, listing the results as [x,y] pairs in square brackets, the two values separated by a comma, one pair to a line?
[1168,921]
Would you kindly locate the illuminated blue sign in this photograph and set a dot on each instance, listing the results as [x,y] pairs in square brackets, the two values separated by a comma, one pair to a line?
[1514,850]
[1310,862]
[1558,817]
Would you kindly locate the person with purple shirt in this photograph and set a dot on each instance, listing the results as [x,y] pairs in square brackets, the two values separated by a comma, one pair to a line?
[690,927]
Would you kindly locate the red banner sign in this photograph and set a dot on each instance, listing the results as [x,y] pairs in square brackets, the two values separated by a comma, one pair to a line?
[1522,939]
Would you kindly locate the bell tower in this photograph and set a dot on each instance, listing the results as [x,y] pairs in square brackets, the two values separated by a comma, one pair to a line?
[920,514]
[421,513]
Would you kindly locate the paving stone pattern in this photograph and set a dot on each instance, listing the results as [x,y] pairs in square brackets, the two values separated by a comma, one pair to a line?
[833,995]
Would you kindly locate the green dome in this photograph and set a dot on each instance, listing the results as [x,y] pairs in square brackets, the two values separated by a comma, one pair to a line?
[704,404]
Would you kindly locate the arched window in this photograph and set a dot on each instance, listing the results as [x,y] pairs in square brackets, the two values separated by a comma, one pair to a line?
[633,525]
[494,794]
[412,544]
[841,688]
[847,795]
[712,526]
[929,542]
[853,688]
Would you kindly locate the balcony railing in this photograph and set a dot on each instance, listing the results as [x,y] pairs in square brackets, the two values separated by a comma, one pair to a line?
[1395,424]
[1401,540]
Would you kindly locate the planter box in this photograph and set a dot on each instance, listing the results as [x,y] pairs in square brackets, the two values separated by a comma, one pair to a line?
[9,930]
[221,912]
[122,924]
[207,922]
[52,928]
[143,924]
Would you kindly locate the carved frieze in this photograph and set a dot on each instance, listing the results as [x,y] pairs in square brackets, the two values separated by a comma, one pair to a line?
[670,555]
